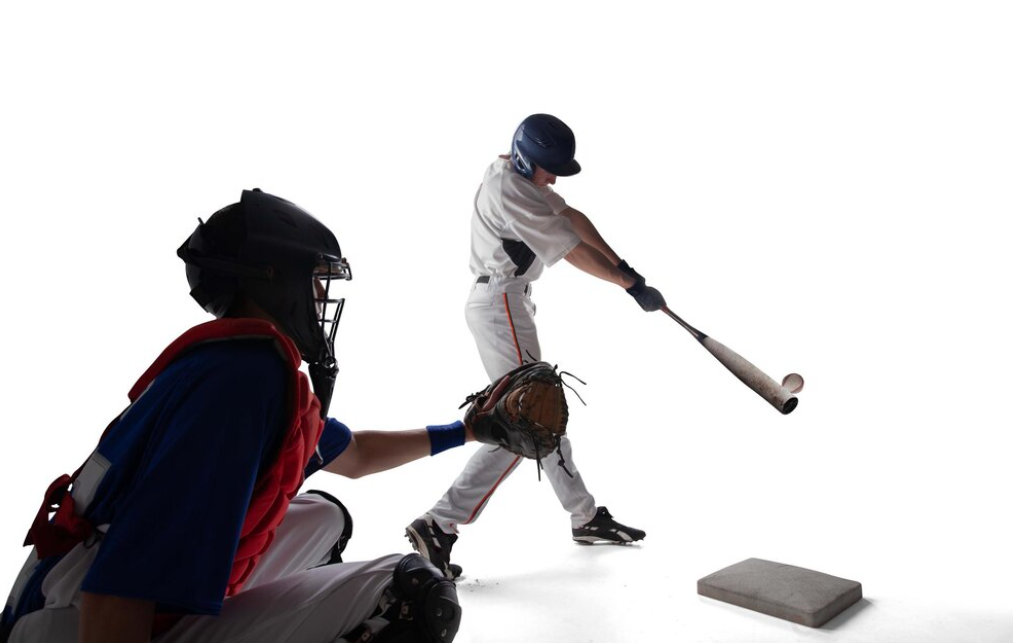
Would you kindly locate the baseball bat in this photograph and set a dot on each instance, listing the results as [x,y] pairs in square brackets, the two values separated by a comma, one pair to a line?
[780,397]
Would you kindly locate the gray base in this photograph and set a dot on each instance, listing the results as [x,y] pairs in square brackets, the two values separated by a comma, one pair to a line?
[792,593]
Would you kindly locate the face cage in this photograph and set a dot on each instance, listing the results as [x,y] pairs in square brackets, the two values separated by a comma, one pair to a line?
[328,269]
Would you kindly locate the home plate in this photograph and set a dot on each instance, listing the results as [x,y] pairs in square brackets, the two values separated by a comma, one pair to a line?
[785,591]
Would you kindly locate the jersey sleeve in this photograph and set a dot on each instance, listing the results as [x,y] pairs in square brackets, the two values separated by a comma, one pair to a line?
[532,217]
[555,201]
[333,442]
[176,526]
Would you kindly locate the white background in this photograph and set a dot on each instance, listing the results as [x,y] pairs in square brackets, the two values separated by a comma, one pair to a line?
[824,187]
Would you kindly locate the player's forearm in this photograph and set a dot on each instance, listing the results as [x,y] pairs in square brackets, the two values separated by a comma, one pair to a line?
[106,618]
[593,262]
[374,451]
[589,234]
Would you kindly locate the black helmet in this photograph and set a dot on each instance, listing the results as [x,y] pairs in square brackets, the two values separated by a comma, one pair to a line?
[545,141]
[270,251]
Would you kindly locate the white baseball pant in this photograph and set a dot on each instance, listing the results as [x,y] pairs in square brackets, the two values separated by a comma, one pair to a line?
[501,317]
[289,597]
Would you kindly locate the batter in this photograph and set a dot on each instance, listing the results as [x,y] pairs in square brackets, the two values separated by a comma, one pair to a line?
[520,226]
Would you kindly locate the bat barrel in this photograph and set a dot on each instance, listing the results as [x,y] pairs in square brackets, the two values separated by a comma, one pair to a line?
[789,405]
[777,395]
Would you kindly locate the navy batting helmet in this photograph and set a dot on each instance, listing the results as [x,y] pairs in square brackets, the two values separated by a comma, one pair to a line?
[544,141]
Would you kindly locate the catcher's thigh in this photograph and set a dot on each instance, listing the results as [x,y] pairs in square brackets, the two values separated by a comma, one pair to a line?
[304,540]
[313,606]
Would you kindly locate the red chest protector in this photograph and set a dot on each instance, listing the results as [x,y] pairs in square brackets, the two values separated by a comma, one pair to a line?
[276,485]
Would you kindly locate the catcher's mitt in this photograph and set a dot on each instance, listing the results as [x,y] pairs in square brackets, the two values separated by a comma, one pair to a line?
[524,412]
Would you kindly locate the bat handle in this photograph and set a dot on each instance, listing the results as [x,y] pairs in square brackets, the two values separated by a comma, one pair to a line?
[692,331]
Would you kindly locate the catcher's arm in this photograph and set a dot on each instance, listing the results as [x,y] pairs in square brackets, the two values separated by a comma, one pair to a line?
[374,451]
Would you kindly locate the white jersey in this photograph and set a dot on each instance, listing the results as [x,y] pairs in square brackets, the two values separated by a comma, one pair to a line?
[516,229]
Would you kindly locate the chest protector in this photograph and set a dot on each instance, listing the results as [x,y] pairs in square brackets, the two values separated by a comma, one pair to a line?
[276,483]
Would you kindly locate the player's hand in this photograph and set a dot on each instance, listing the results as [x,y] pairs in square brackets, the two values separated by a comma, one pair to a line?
[628,270]
[650,299]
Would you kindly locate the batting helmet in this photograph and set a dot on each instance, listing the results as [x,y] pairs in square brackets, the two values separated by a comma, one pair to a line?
[544,141]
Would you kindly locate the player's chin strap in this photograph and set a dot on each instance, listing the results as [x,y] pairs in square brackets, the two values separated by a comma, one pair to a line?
[323,374]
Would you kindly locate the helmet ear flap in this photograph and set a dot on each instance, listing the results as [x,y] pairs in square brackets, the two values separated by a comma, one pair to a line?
[215,293]
[213,289]
[521,163]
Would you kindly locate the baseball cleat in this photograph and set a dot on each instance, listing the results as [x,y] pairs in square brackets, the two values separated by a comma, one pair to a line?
[603,528]
[434,544]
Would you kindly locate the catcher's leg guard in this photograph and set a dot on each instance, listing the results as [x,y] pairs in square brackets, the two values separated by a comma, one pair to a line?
[437,612]
[346,533]
[420,607]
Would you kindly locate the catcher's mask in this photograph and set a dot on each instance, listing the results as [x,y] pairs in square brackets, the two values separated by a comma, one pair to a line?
[277,255]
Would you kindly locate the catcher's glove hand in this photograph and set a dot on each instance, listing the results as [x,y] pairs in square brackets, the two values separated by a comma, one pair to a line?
[524,412]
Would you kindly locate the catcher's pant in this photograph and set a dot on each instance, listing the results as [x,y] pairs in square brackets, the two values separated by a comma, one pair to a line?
[289,597]
[501,317]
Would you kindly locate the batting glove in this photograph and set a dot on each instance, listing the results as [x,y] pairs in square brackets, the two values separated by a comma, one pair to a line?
[649,298]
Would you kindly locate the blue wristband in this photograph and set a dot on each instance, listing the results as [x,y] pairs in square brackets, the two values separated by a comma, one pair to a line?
[447,436]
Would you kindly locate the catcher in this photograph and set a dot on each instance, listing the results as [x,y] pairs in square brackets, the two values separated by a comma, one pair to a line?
[519,227]
[184,524]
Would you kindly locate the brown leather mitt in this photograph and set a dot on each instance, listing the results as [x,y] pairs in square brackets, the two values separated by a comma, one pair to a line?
[524,411]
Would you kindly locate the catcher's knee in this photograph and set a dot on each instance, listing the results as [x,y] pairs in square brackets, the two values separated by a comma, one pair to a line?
[419,606]
[342,521]
[434,598]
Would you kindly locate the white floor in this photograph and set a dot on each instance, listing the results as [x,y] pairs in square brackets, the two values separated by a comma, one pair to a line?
[525,580]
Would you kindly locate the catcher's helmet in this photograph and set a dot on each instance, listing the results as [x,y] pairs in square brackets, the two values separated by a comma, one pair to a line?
[272,252]
[545,141]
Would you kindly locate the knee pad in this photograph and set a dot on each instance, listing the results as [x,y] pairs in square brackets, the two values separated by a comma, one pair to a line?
[437,612]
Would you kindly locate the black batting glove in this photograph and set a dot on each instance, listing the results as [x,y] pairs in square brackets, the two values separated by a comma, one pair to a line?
[650,299]
[628,270]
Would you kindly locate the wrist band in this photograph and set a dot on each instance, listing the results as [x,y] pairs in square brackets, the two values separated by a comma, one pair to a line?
[445,436]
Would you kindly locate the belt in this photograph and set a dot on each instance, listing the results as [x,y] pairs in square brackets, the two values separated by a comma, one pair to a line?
[484,279]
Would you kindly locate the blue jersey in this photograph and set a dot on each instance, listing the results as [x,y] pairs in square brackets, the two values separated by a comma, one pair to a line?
[183,462]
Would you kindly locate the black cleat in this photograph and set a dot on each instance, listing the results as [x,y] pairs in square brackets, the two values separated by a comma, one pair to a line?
[604,529]
[435,545]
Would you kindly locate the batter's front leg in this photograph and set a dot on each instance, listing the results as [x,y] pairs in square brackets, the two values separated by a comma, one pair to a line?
[471,491]
[569,485]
